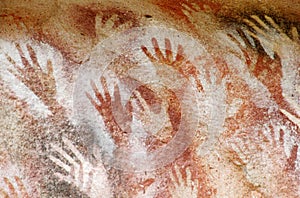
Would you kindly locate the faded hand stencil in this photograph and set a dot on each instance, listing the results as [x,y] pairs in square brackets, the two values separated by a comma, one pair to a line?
[161,99]
[154,95]
[90,179]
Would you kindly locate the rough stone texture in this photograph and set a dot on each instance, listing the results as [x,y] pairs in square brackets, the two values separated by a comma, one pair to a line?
[149,98]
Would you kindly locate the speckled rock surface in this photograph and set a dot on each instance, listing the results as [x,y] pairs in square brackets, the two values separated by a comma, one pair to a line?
[149,98]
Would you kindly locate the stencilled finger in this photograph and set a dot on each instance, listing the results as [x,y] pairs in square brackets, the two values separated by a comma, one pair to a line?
[273,24]
[75,169]
[169,53]
[33,57]
[121,113]
[174,179]
[163,111]
[195,185]
[25,62]
[293,159]
[89,182]
[129,108]
[157,50]
[239,152]
[73,175]
[64,178]
[242,42]
[124,26]
[295,34]
[110,23]
[73,149]
[99,26]
[96,91]
[265,135]
[265,143]
[20,73]
[188,177]
[148,54]
[187,9]
[11,188]
[245,41]
[194,6]
[233,38]
[105,88]
[253,35]
[142,103]
[86,168]
[117,96]
[179,175]
[13,62]
[255,27]
[291,117]
[137,106]
[58,162]
[49,68]
[3,193]
[21,187]
[80,175]
[205,77]
[180,56]
[216,77]
[260,22]
[273,135]
[91,99]
[248,39]
[62,153]
[97,154]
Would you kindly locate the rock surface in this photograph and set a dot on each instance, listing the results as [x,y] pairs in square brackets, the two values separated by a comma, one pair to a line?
[149,98]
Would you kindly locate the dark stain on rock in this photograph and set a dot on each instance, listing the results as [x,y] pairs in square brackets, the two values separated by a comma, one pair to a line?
[124,16]
[84,20]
